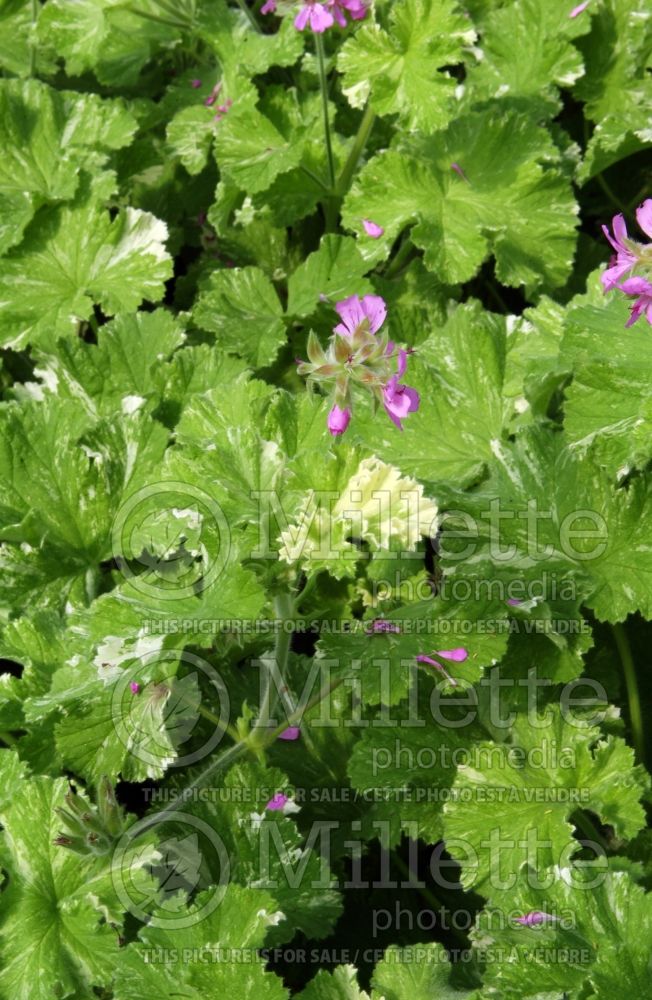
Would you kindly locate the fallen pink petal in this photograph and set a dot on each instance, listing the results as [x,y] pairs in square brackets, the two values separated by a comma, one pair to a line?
[277,802]
[423,658]
[581,7]
[534,918]
[134,687]
[373,229]
[458,655]
[291,733]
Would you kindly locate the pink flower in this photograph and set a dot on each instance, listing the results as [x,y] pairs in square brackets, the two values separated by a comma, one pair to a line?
[642,289]
[626,257]
[534,918]
[382,625]
[314,14]
[576,11]
[195,84]
[399,400]
[356,9]
[355,311]
[291,733]
[277,803]
[372,229]
[134,687]
[269,7]
[338,420]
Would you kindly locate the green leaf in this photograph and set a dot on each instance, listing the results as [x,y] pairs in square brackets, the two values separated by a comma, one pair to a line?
[335,270]
[47,138]
[252,152]
[527,795]
[341,984]
[73,256]
[512,202]
[458,372]
[617,87]
[608,405]
[196,953]
[242,308]
[400,70]
[60,486]
[124,370]
[528,53]
[602,928]
[558,511]
[419,972]
[55,938]
[105,36]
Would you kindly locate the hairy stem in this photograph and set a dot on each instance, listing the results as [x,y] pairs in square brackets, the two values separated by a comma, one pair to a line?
[633,697]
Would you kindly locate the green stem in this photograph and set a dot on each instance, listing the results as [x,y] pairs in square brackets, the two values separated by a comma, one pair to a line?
[7,738]
[611,195]
[323,82]
[357,150]
[310,585]
[400,259]
[211,717]
[249,14]
[283,610]
[243,747]
[148,16]
[635,713]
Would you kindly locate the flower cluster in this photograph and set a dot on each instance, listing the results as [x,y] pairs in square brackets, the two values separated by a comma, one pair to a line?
[631,256]
[356,355]
[320,16]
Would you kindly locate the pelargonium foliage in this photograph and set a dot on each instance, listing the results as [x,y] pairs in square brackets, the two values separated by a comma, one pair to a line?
[325,499]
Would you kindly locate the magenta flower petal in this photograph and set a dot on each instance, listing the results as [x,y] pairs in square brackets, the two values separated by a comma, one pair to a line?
[636,286]
[644,217]
[134,687]
[402,362]
[277,803]
[354,311]
[338,420]
[195,84]
[459,654]
[399,400]
[576,11]
[291,733]
[376,311]
[269,7]
[301,20]
[514,602]
[373,229]
[422,658]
